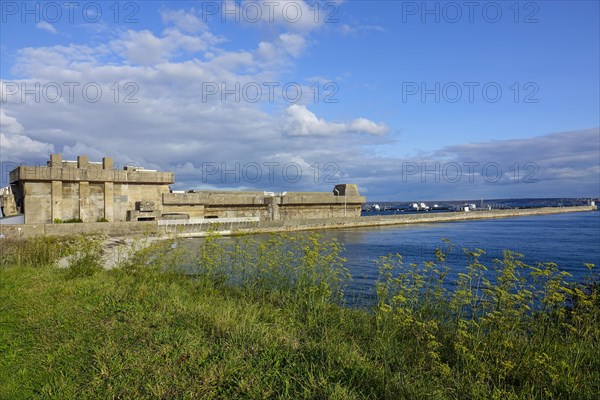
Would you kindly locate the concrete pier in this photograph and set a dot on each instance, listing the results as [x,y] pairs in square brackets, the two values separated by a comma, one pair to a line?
[233,226]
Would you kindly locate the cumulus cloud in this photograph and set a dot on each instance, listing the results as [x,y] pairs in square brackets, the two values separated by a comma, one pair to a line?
[146,48]
[289,15]
[184,20]
[302,122]
[15,144]
[173,125]
[172,121]
[10,125]
[292,43]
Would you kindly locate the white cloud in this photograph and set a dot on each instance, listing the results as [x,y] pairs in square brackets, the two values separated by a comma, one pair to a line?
[302,122]
[173,128]
[183,20]
[292,43]
[43,25]
[15,145]
[347,29]
[9,124]
[146,48]
[289,15]
[57,62]
[367,126]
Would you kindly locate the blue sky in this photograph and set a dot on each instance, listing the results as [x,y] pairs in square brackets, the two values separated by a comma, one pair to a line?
[411,100]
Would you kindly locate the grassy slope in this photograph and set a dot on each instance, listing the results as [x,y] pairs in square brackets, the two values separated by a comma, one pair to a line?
[150,335]
[138,333]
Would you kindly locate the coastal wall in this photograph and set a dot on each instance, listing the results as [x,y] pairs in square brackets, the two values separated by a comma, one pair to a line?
[266,206]
[232,226]
[404,219]
[121,229]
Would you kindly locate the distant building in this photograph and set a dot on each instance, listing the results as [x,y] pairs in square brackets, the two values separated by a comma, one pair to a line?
[95,191]
[8,205]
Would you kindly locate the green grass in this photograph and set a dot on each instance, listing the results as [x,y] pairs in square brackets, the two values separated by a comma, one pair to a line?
[277,330]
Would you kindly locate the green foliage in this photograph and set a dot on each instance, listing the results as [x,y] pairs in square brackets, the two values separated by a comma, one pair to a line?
[38,252]
[85,261]
[520,330]
[304,271]
[102,219]
[69,221]
[261,318]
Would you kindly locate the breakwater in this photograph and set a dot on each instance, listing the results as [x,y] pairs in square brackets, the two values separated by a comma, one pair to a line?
[234,226]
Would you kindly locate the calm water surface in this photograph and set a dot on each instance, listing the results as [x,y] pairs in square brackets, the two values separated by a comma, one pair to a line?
[569,239]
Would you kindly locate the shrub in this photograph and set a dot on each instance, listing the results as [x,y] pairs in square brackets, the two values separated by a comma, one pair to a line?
[508,329]
[38,252]
[86,260]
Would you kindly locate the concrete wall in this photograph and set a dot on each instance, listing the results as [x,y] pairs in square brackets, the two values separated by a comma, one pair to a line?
[47,201]
[83,190]
[95,209]
[39,201]
[320,211]
[268,207]
[72,174]
[69,206]
[29,231]
[126,195]
[229,227]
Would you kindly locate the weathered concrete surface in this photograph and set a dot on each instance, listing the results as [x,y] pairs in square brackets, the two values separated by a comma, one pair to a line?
[421,218]
[85,190]
[93,191]
[130,229]
[269,207]
[384,220]
[90,174]
[7,203]
[116,229]
[115,251]
[346,190]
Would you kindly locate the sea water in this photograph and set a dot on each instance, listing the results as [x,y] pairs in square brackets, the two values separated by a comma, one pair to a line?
[570,240]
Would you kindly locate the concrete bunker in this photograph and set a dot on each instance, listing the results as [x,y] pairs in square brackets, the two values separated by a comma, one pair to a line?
[86,191]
